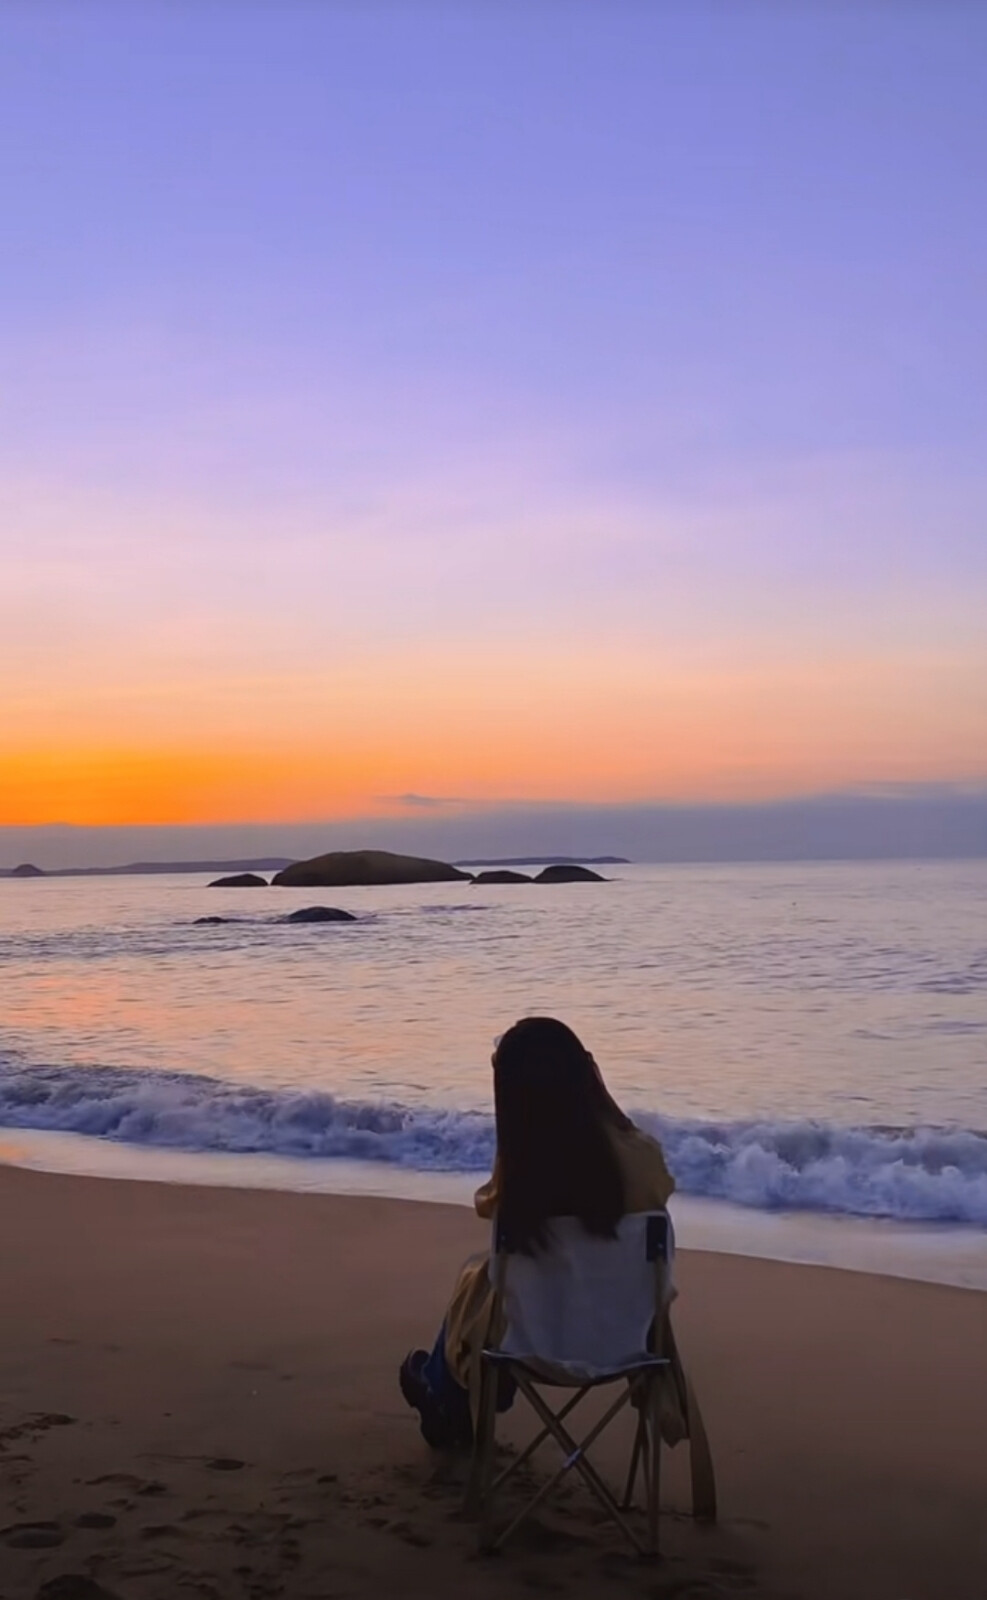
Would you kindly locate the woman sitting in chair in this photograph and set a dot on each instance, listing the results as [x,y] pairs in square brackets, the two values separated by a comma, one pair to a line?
[564,1149]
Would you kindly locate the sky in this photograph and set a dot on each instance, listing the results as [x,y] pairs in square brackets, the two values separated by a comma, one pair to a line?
[488,407]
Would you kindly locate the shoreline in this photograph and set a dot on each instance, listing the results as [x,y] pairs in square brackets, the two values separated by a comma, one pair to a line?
[197,1391]
[942,1253]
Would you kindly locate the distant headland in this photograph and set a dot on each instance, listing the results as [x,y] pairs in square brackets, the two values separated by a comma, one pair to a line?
[278,864]
[264,864]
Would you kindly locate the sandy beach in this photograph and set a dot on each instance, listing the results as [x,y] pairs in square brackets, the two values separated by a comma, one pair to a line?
[198,1398]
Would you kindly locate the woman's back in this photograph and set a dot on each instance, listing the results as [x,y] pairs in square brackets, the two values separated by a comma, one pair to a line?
[560,1138]
[564,1150]
[554,1152]
[646,1181]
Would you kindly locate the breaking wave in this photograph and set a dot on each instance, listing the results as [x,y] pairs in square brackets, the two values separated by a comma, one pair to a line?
[919,1174]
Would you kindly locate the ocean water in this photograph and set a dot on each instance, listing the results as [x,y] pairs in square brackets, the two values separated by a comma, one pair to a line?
[805,1038]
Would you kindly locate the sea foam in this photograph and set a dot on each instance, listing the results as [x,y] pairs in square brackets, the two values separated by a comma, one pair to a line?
[919,1173]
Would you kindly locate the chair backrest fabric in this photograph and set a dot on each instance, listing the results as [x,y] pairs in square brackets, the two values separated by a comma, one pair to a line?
[584,1305]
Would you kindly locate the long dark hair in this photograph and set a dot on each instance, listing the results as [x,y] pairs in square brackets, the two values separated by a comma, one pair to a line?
[554,1156]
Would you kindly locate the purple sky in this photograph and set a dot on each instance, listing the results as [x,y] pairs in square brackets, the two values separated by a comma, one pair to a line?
[543,402]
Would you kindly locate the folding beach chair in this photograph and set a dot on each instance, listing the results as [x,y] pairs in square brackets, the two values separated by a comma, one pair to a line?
[583,1313]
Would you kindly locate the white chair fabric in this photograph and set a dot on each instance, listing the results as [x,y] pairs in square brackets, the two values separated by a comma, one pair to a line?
[582,1308]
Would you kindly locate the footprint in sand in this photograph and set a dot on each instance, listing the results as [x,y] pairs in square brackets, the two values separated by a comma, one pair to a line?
[74,1586]
[95,1519]
[32,1536]
[751,1522]
[225,1464]
[37,1424]
[685,1589]
[125,1480]
[158,1565]
[735,1574]
[409,1534]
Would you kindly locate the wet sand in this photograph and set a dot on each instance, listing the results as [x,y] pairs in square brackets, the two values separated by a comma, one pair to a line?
[198,1398]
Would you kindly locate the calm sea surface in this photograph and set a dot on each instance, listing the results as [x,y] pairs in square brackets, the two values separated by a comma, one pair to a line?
[810,1036]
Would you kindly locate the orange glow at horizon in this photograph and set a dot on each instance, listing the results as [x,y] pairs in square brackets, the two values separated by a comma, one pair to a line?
[541,719]
[129,786]
[633,736]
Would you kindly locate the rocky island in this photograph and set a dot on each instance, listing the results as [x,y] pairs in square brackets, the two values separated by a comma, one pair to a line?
[349,868]
[569,872]
[558,872]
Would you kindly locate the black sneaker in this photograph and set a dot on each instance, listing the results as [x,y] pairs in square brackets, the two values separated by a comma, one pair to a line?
[412,1379]
[439,1430]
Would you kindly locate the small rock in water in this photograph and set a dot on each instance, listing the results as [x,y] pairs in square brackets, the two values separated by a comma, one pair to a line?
[568,872]
[212,920]
[320,914]
[240,880]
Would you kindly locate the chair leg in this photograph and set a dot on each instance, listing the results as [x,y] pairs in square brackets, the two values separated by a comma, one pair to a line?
[701,1467]
[535,1444]
[700,1462]
[575,1456]
[481,1468]
[654,1487]
[532,1505]
[640,1443]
